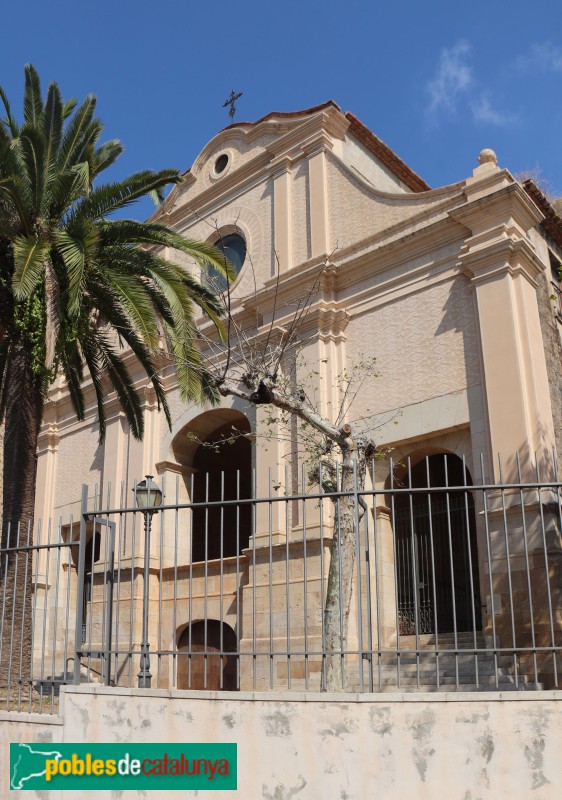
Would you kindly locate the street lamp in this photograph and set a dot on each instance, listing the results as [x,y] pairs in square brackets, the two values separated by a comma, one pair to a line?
[148,497]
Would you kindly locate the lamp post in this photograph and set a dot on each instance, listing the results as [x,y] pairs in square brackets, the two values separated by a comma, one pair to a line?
[148,497]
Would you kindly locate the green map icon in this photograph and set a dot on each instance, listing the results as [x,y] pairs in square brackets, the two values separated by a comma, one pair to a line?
[28,763]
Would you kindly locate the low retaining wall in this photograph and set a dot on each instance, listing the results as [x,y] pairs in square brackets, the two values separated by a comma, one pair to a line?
[345,747]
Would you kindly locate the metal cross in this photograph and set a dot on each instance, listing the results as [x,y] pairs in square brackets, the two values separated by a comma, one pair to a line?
[230,102]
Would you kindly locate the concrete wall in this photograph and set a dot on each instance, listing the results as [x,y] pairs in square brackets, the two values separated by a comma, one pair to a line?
[348,747]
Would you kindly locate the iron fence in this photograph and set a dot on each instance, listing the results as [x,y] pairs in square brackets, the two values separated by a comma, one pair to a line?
[457,585]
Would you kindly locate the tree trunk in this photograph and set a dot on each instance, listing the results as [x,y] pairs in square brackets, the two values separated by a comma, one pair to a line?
[24,407]
[342,568]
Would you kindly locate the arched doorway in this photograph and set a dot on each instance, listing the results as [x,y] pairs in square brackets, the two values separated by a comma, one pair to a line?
[217,449]
[223,465]
[435,550]
[214,671]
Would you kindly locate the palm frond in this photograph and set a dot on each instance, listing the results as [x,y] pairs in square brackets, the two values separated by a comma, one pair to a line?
[68,107]
[32,100]
[32,144]
[94,363]
[113,196]
[134,296]
[52,126]
[75,132]
[71,364]
[105,155]
[122,384]
[69,186]
[9,121]
[30,254]
[154,233]
[75,248]
[14,192]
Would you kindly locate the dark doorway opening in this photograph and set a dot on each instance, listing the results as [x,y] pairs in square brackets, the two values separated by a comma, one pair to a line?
[223,472]
[436,550]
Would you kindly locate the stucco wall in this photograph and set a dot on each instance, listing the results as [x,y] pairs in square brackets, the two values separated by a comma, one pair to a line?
[425,345]
[350,747]
[79,460]
[358,157]
[357,210]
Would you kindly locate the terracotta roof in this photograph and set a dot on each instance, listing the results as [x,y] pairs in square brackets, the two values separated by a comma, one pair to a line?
[366,136]
[552,222]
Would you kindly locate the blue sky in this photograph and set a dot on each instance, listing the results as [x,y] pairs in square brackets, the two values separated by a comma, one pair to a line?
[437,81]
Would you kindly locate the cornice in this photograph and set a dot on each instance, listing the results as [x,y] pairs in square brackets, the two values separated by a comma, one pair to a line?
[499,223]
[172,466]
[507,202]
[402,284]
[507,256]
[325,126]
[329,321]
[396,252]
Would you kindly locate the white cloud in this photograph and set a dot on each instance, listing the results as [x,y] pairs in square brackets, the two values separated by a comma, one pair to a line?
[482,111]
[452,78]
[545,56]
[454,89]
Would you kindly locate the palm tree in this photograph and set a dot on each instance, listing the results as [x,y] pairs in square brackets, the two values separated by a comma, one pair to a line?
[75,283]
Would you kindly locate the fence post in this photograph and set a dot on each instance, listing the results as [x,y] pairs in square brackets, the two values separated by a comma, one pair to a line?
[110,585]
[80,583]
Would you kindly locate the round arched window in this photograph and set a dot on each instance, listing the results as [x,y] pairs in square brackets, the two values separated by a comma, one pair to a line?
[233,246]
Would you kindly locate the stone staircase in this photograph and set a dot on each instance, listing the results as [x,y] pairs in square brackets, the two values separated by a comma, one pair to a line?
[432,670]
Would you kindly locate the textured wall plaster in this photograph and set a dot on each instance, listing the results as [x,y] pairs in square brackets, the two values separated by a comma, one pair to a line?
[350,747]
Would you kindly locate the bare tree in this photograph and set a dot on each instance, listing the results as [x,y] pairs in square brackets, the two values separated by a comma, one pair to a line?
[253,362]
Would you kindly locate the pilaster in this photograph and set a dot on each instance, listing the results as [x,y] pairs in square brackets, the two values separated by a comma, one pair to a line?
[503,267]
[283,238]
[319,225]
[47,454]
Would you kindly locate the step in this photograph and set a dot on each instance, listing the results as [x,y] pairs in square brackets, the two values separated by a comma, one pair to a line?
[445,640]
[461,688]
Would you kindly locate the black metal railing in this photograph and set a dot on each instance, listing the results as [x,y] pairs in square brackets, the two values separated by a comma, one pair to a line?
[456,584]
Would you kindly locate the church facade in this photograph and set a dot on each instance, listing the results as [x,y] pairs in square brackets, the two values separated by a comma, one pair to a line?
[453,290]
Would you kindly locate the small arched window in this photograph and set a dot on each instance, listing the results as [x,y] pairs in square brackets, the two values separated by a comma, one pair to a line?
[233,246]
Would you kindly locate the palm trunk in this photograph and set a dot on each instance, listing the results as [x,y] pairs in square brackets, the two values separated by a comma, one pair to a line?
[24,408]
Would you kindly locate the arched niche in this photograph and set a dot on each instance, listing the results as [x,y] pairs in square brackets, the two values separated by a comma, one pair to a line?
[435,546]
[212,671]
[216,450]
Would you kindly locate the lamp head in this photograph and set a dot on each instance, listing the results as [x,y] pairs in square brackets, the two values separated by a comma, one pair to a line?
[148,494]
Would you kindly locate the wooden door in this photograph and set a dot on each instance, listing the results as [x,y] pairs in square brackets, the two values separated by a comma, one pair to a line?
[196,670]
